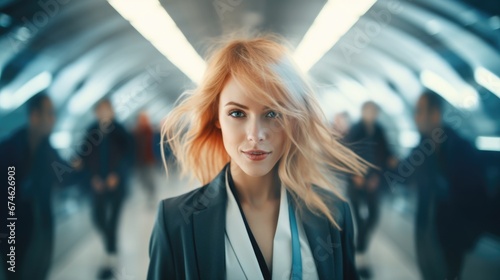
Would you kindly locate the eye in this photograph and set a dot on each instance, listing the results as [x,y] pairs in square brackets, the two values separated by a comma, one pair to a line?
[236,114]
[272,114]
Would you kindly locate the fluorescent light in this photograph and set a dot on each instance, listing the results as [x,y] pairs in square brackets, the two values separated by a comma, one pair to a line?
[353,90]
[332,101]
[5,100]
[488,80]
[433,27]
[465,99]
[332,22]
[83,100]
[408,138]
[154,23]
[11,101]
[487,143]
[60,140]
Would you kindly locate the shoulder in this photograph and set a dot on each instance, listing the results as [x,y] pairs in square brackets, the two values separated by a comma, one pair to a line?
[339,208]
[14,137]
[92,128]
[357,127]
[379,129]
[93,125]
[46,147]
[118,127]
[354,132]
[11,144]
[178,211]
[457,141]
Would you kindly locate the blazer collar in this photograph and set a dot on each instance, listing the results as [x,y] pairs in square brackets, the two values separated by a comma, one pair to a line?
[209,224]
[320,239]
[208,227]
[318,234]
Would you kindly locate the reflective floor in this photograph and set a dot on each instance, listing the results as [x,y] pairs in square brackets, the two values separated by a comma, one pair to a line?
[79,250]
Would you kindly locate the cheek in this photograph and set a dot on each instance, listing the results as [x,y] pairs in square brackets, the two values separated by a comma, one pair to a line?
[418,118]
[232,134]
[279,139]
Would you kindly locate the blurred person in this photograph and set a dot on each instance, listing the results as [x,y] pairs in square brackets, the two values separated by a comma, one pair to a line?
[145,158]
[341,123]
[37,169]
[163,150]
[367,139]
[451,192]
[340,126]
[253,134]
[108,163]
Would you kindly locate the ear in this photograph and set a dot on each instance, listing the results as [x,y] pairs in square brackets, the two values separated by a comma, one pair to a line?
[217,124]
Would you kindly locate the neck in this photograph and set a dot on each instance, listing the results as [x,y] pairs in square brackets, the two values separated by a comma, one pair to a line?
[370,126]
[255,191]
[435,129]
[105,121]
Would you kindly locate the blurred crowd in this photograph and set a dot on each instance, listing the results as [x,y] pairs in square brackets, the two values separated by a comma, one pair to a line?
[108,154]
[454,206]
[454,203]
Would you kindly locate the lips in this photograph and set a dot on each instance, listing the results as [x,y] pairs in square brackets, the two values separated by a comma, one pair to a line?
[256,154]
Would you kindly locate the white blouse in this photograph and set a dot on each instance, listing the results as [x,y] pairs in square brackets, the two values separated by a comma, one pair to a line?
[241,262]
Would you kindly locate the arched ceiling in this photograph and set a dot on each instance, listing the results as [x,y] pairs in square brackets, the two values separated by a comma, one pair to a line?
[82,51]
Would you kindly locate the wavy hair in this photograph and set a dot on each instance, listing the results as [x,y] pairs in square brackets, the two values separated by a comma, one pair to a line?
[263,66]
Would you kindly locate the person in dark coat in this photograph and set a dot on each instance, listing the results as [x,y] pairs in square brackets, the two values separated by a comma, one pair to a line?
[367,139]
[451,192]
[35,168]
[108,163]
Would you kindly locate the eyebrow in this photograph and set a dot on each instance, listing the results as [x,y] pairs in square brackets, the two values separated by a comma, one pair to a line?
[237,104]
[242,106]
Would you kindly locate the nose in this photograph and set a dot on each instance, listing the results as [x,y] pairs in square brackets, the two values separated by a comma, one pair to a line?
[256,130]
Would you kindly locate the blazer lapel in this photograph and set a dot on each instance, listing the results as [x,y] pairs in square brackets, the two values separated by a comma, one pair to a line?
[320,242]
[208,228]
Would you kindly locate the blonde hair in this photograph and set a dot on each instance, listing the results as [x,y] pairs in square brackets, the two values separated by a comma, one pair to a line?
[264,67]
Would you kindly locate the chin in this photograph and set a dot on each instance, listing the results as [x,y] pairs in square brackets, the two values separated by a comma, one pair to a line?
[255,169]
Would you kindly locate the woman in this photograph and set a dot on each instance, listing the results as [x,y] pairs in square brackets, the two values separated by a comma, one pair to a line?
[255,137]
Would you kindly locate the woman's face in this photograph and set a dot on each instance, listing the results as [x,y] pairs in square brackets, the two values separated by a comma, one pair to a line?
[252,136]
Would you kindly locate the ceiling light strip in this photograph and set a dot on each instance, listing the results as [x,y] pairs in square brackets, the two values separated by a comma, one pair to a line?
[155,24]
[332,22]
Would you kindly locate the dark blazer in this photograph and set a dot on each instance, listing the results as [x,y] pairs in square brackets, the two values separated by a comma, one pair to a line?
[373,148]
[188,237]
